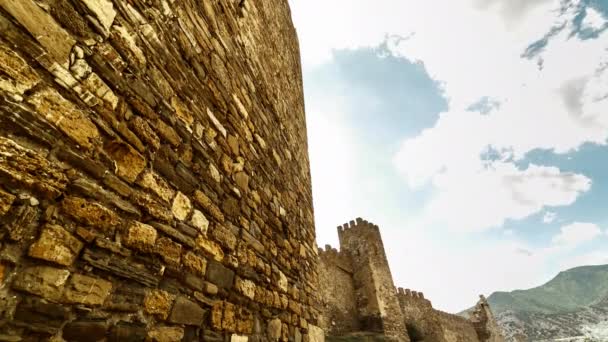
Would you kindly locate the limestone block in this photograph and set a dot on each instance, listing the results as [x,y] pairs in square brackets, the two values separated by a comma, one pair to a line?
[229,317]
[181,206]
[128,162]
[208,205]
[246,287]
[19,76]
[282,281]
[87,290]
[242,180]
[315,334]
[140,236]
[224,236]
[166,334]
[90,213]
[56,245]
[217,312]
[238,338]
[6,200]
[103,10]
[152,181]
[158,302]
[186,312]
[66,116]
[169,250]
[216,122]
[125,39]
[182,111]
[194,263]
[274,329]
[215,174]
[42,27]
[199,221]
[209,247]
[43,281]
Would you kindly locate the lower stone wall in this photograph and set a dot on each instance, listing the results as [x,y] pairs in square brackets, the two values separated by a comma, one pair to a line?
[338,303]
[456,328]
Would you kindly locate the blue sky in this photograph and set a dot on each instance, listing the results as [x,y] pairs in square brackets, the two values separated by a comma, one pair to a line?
[474,136]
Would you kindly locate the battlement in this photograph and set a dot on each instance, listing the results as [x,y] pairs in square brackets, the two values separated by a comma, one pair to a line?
[412,297]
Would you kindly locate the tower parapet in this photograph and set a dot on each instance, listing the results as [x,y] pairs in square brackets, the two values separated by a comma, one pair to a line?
[377,301]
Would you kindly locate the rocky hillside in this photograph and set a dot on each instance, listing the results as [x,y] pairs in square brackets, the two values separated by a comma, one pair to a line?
[573,304]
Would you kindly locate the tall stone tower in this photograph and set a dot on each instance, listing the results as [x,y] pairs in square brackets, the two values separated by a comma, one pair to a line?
[375,292]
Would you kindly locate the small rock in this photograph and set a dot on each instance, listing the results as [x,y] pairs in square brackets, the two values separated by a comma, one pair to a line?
[87,290]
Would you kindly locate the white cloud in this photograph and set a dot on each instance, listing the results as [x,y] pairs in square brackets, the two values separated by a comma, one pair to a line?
[576,233]
[594,20]
[549,217]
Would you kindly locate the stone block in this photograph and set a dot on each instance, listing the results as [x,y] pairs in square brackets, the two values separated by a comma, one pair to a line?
[65,115]
[246,287]
[166,334]
[87,290]
[44,281]
[194,263]
[206,203]
[217,312]
[90,213]
[127,332]
[6,200]
[238,338]
[170,251]
[85,331]
[315,334]
[155,183]
[229,317]
[103,12]
[211,248]
[158,302]
[274,329]
[219,275]
[140,236]
[224,236]
[56,245]
[186,312]
[181,206]
[199,221]
[129,163]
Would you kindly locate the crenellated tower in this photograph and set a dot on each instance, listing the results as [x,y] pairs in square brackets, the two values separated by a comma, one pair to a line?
[376,296]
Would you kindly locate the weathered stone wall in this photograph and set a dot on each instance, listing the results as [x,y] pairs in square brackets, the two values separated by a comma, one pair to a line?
[338,301]
[154,177]
[456,328]
[376,295]
[420,318]
[484,322]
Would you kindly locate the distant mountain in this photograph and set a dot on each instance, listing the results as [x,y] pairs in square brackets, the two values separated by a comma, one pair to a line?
[573,304]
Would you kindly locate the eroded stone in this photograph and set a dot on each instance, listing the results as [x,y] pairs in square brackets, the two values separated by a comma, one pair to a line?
[181,206]
[57,245]
[140,236]
[44,281]
[87,290]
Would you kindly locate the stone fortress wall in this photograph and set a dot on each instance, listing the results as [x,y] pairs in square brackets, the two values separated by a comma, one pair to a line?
[361,283]
[154,175]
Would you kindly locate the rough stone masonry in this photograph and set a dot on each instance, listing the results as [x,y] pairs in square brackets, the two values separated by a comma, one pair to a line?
[154,176]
